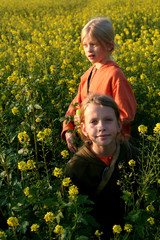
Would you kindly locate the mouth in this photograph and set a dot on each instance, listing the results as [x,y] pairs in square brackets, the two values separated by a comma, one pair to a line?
[91,56]
[103,136]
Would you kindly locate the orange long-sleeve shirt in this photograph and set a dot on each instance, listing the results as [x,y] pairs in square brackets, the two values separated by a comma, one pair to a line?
[110,80]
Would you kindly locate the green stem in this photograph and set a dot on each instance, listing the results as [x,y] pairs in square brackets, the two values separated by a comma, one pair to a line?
[49,231]
[14,233]
[34,134]
[75,224]
[5,167]
[45,164]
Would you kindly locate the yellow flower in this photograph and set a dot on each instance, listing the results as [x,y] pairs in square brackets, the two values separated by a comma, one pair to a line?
[23,137]
[158,181]
[156,130]
[65,153]
[59,229]
[142,129]
[12,222]
[128,228]
[98,234]
[49,217]
[120,166]
[22,166]
[52,69]
[17,96]
[118,183]
[41,136]
[26,192]
[38,120]
[3,97]
[58,172]
[73,191]
[117,229]
[66,182]
[34,227]
[132,163]
[15,110]
[150,208]
[151,220]
[2,235]
[47,131]
[13,91]
[31,164]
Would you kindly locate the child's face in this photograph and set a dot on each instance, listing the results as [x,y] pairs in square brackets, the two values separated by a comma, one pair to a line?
[101,125]
[94,51]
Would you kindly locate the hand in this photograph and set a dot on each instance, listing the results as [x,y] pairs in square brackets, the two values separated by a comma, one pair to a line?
[77,120]
[70,139]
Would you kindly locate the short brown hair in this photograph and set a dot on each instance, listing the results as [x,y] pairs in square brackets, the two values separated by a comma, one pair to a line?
[99,99]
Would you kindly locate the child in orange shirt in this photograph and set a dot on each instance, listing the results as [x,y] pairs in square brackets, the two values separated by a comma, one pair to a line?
[104,77]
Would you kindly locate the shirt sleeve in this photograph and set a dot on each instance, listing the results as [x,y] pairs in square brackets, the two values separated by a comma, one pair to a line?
[124,97]
[71,112]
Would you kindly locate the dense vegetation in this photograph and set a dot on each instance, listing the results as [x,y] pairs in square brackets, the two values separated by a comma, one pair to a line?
[41,62]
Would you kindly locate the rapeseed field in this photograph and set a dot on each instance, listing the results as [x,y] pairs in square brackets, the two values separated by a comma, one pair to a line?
[41,61]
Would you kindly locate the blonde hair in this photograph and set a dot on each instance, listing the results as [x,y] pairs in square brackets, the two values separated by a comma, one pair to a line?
[101,28]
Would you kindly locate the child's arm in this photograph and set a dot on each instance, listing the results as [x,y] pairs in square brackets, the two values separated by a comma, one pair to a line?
[125,99]
[70,141]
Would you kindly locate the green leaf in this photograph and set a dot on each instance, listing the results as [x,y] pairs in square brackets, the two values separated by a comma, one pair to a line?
[23,151]
[37,106]
[29,108]
[82,238]
[23,227]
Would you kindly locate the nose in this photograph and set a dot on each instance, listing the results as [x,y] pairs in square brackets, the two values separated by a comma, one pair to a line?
[90,48]
[101,126]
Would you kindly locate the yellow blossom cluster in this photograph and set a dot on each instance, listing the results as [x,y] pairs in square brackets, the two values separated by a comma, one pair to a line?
[73,192]
[128,227]
[29,165]
[66,182]
[34,227]
[57,172]
[12,221]
[65,153]
[2,235]
[26,192]
[142,129]
[23,137]
[49,53]
[156,129]
[49,217]
[59,229]
[151,220]
[117,229]
[15,110]
[150,208]
[42,134]
[132,163]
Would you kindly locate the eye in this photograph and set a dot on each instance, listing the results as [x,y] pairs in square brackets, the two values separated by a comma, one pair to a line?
[93,44]
[108,119]
[93,121]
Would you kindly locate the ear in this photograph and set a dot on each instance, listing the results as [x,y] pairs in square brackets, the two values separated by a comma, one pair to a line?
[119,126]
[83,128]
[110,46]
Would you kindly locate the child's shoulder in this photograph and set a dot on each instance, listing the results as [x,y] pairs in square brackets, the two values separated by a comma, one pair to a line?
[87,73]
[129,151]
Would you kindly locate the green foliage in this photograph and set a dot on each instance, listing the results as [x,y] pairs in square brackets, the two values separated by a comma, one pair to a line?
[40,67]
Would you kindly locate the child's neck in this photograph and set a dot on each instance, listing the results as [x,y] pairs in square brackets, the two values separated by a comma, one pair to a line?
[103,151]
[99,64]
